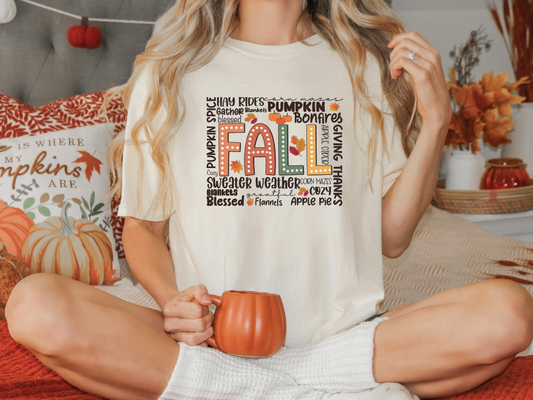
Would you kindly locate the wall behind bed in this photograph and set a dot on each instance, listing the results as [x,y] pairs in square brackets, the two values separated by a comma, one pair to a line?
[38,65]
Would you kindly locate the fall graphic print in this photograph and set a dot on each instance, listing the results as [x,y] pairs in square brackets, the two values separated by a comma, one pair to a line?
[274,151]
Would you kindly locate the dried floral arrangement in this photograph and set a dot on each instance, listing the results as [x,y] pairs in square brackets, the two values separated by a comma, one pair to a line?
[477,105]
[467,56]
[518,38]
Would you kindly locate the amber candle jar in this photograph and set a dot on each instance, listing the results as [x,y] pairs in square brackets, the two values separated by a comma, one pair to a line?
[505,173]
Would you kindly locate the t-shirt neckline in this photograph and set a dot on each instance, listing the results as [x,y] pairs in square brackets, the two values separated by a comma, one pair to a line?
[274,50]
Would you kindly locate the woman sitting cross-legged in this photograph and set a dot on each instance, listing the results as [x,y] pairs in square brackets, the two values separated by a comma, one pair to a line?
[278,138]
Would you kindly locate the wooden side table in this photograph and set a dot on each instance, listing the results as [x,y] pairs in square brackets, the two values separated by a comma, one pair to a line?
[518,225]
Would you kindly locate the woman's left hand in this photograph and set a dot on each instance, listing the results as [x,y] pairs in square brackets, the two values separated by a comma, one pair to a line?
[434,103]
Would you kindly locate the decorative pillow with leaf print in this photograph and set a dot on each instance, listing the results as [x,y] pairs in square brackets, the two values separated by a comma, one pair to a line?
[55,209]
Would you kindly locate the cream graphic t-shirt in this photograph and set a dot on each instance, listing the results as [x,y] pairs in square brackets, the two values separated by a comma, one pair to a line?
[269,183]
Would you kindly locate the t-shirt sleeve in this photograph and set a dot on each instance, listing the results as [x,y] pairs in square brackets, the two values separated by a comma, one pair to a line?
[393,163]
[135,203]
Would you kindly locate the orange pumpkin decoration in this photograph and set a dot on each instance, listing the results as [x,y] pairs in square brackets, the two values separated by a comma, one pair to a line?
[84,36]
[77,249]
[248,324]
[14,227]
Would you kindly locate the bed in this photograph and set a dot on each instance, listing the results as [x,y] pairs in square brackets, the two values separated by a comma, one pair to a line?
[39,68]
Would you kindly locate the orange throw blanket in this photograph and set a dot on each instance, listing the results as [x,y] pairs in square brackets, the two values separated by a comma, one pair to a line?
[23,376]
[516,383]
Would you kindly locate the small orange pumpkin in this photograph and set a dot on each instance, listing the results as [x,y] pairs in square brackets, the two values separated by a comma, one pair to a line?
[84,36]
[14,227]
[77,249]
[274,116]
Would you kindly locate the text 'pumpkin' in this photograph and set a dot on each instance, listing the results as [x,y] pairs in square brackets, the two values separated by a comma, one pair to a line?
[77,249]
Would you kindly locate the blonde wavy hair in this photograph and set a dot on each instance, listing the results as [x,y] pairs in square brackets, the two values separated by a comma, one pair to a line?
[191,33]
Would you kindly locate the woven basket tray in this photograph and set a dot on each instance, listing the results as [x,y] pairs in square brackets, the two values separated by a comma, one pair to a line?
[496,201]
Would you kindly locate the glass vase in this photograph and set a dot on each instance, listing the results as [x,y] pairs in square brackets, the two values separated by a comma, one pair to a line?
[505,173]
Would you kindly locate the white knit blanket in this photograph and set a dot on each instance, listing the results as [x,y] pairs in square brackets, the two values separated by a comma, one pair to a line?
[446,252]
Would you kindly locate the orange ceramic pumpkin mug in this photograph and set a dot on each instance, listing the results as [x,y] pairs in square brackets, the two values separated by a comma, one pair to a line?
[248,324]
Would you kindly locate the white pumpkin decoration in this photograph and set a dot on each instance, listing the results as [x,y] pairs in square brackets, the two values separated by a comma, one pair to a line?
[8,10]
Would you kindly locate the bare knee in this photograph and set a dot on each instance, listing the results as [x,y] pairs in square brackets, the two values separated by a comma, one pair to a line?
[504,324]
[37,313]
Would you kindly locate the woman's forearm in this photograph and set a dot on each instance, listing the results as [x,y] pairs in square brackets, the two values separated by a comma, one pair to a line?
[149,259]
[408,198]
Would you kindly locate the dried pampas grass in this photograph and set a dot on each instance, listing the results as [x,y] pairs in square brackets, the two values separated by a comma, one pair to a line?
[517,32]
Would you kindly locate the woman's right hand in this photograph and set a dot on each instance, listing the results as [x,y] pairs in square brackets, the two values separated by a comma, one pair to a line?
[186,321]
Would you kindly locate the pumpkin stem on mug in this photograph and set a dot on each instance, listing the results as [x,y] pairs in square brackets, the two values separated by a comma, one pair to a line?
[66,227]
